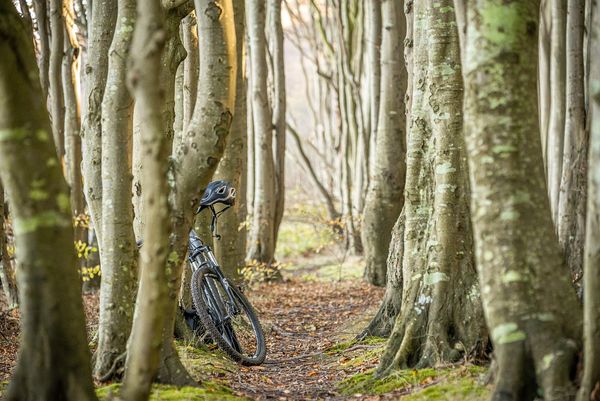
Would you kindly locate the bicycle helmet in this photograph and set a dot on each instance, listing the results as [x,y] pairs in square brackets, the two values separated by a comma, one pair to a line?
[218,192]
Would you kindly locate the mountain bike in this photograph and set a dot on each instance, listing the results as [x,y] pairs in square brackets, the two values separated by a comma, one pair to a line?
[225,313]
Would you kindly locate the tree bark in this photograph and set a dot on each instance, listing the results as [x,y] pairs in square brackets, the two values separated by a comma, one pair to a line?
[119,251]
[57,107]
[53,361]
[230,250]
[104,15]
[556,128]
[261,241]
[440,316]
[196,158]
[276,49]
[544,83]
[7,271]
[590,381]
[385,197]
[72,137]
[531,309]
[41,18]
[573,187]
[152,299]
[373,69]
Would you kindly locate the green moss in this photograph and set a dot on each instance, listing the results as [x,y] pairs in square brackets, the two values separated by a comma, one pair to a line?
[422,384]
[342,346]
[208,390]
[3,386]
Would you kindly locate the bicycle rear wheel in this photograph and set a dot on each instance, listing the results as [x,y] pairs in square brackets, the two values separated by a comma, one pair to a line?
[231,322]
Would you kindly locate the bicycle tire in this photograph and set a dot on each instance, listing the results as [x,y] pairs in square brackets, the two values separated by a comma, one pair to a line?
[199,287]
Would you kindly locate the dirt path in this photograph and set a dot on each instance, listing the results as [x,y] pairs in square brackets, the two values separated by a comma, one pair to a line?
[303,320]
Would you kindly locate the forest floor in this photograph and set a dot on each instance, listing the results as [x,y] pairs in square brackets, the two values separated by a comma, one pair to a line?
[310,319]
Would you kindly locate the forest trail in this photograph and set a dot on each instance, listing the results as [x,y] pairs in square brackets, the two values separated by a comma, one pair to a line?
[304,320]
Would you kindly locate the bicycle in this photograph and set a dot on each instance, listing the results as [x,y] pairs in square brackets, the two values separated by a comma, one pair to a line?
[225,313]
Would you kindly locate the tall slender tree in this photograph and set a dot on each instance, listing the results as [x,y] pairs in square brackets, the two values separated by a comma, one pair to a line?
[261,241]
[53,361]
[531,309]
[386,191]
[101,30]
[230,250]
[573,188]
[118,252]
[152,297]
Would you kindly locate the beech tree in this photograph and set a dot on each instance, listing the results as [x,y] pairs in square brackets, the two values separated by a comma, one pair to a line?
[530,306]
[151,305]
[230,250]
[440,314]
[54,361]
[386,191]
[591,274]
[118,250]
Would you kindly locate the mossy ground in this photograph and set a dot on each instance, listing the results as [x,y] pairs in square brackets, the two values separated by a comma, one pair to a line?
[202,363]
[461,383]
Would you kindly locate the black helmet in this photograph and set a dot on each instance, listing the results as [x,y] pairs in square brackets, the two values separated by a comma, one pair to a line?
[218,192]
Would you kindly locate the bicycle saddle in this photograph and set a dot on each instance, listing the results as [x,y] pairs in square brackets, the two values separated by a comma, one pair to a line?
[218,192]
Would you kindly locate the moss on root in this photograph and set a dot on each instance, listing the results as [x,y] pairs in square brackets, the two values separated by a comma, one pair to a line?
[453,384]
[343,346]
[202,362]
[208,390]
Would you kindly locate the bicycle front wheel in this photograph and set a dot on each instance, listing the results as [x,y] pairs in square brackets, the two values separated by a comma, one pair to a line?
[230,321]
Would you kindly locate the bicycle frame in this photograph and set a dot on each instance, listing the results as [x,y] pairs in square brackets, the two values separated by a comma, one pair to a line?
[201,255]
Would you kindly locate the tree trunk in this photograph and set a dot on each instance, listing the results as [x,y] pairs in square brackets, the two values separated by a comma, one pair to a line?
[152,299]
[7,271]
[276,49]
[573,188]
[440,316]
[53,362]
[57,108]
[544,84]
[118,253]
[104,15]
[190,74]
[386,192]
[72,138]
[373,69]
[556,127]
[41,18]
[197,156]
[531,309]
[230,250]
[261,241]
[590,381]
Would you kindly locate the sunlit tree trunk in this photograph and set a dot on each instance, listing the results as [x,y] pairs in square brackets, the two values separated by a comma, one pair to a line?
[118,253]
[53,361]
[373,70]
[230,250]
[104,15]
[385,197]
[530,306]
[261,241]
[72,135]
[573,187]
[556,127]
[591,273]
[151,307]
[440,317]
